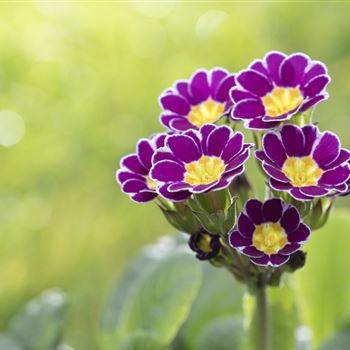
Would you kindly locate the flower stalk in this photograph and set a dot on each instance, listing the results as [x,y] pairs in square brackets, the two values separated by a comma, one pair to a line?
[263,319]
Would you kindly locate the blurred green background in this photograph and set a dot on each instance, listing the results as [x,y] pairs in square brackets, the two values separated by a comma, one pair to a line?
[79,84]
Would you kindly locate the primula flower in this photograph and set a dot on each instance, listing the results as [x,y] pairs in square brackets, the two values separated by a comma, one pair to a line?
[304,162]
[276,88]
[133,176]
[202,99]
[205,244]
[268,233]
[199,161]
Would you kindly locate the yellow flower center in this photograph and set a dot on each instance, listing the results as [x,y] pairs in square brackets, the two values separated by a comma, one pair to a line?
[204,243]
[302,171]
[206,112]
[204,170]
[152,185]
[281,101]
[269,238]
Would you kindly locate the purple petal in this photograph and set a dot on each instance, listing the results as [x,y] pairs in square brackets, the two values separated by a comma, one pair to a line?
[217,75]
[335,176]
[280,186]
[167,170]
[293,140]
[301,234]
[144,196]
[317,68]
[134,186]
[314,191]
[166,118]
[236,240]
[195,136]
[252,252]
[245,226]
[182,86]
[263,261]
[248,109]
[274,149]
[327,149]
[312,101]
[273,61]
[254,82]
[275,173]
[217,140]
[124,175]
[290,219]
[295,192]
[159,140]
[175,103]
[145,152]
[310,133]
[205,131]
[227,178]
[234,146]
[164,154]
[133,163]
[238,94]
[278,260]
[173,196]
[253,208]
[292,69]
[344,157]
[272,210]
[199,87]
[183,148]
[178,186]
[180,124]
[222,94]
[238,160]
[260,155]
[316,85]
[259,124]
[258,65]
[204,188]
[289,249]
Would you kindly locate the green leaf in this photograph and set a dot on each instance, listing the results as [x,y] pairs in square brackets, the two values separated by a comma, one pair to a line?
[162,299]
[8,343]
[324,282]
[219,296]
[39,326]
[123,291]
[339,341]
[222,334]
[143,341]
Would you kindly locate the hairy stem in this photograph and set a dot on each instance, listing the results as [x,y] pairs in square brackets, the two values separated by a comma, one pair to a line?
[263,341]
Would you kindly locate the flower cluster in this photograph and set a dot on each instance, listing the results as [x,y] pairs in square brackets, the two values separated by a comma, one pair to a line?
[195,170]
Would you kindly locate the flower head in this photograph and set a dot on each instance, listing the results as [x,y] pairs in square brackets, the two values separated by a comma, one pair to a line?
[198,161]
[133,175]
[205,244]
[268,233]
[304,162]
[203,99]
[275,88]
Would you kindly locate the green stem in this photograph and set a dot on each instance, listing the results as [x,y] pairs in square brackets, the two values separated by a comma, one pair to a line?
[263,341]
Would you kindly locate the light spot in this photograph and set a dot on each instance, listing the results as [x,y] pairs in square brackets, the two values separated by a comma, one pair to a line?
[269,238]
[206,112]
[204,243]
[156,10]
[302,171]
[11,128]
[209,23]
[282,100]
[204,171]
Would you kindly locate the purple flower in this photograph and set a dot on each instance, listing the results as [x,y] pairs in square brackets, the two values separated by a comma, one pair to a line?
[268,233]
[199,161]
[133,175]
[276,88]
[205,244]
[203,99]
[305,162]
